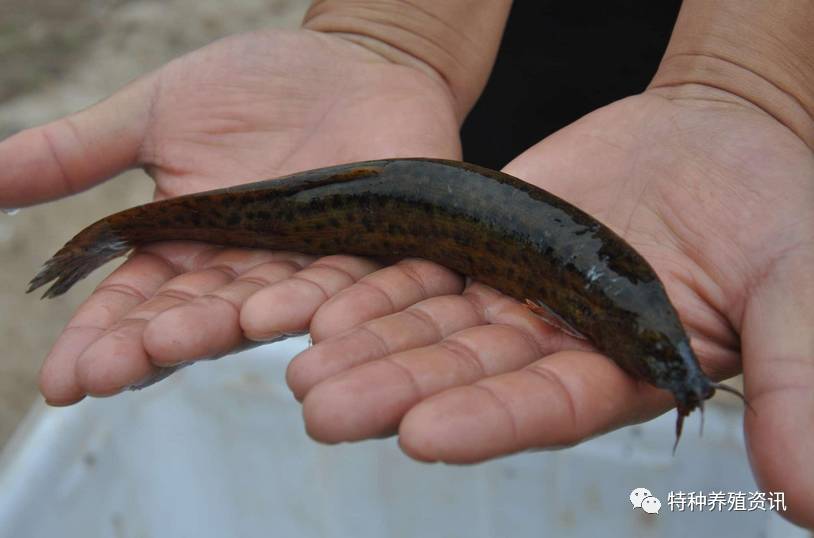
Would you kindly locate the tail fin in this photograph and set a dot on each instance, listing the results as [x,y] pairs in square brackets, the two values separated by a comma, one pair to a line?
[91,248]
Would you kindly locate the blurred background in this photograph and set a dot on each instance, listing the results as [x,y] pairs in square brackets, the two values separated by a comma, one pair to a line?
[57,57]
[234,429]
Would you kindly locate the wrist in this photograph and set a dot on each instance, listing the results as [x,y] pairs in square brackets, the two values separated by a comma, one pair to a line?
[761,53]
[454,42]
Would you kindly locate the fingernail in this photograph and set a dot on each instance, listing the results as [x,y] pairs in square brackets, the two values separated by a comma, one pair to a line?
[52,403]
[266,338]
[157,376]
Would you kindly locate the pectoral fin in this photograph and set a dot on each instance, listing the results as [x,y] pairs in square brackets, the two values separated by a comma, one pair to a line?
[553,319]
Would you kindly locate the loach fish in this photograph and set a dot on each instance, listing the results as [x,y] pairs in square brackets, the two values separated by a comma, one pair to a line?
[531,245]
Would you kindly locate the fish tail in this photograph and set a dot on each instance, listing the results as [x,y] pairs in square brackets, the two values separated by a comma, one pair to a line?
[91,248]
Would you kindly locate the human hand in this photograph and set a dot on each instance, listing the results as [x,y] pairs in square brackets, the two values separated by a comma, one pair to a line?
[245,108]
[716,194]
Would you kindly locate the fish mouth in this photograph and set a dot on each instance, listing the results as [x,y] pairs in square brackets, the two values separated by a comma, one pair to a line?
[693,391]
[697,386]
[689,399]
[696,389]
[693,396]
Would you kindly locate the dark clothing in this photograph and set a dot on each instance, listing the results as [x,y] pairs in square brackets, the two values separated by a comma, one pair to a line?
[558,61]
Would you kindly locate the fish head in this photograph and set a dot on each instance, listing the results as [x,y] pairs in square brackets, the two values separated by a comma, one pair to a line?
[692,387]
[672,365]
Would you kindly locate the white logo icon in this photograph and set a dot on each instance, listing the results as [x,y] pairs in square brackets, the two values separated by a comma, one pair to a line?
[651,505]
[642,498]
[638,495]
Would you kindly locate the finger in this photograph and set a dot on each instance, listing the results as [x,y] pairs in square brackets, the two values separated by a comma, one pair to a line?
[76,152]
[129,285]
[778,355]
[209,325]
[369,401]
[422,324]
[117,359]
[557,401]
[188,256]
[384,292]
[287,306]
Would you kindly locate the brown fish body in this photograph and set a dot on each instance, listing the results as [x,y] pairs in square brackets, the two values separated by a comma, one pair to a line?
[497,229]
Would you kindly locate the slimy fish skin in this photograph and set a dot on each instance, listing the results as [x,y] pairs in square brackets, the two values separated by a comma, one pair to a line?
[526,242]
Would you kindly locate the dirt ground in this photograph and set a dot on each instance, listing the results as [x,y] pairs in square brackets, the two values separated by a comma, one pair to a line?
[58,57]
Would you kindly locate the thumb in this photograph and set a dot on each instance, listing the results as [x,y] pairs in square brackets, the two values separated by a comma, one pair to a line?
[778,355]
[76,152]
